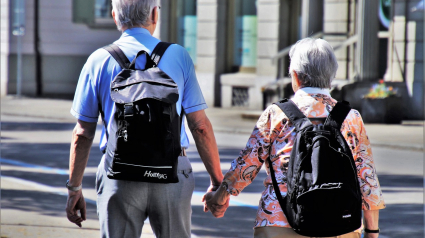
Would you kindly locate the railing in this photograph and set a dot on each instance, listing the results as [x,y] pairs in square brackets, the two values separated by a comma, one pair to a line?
[281,55]
[281,87]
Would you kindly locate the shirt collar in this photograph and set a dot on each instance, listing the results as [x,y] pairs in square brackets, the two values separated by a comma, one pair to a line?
[135,31]
[311,90]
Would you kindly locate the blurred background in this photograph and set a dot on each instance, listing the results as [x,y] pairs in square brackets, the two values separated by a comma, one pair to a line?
[240,47]
[240,50]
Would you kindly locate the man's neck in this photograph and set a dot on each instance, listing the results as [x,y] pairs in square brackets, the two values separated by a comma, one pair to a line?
[149,28]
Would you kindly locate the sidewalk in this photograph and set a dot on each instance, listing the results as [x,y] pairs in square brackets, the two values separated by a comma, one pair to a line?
[34,223]
[408,135]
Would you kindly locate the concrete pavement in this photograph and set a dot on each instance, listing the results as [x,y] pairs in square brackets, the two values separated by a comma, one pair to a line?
[18,223]
[408,135]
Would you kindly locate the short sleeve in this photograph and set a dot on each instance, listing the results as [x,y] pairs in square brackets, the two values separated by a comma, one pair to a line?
[85,104]
[193,99]
[177,63]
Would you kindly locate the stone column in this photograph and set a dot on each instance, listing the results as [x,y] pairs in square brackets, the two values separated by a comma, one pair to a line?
[268,20]
[337,22]
[210,48]
[368,42]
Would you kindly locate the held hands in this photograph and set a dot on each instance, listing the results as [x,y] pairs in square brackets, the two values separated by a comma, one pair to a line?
[74,203]
[216,201]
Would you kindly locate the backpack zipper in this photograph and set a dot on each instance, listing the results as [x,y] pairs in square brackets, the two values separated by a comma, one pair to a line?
[116,88]
[343,154]
[157,167]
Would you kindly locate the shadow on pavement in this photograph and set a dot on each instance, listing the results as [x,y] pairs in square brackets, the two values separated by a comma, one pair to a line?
[406,181]
[55,155]
[402,220]
[53,180]
[237,222]
[397,220]
[36,126]
[48,204]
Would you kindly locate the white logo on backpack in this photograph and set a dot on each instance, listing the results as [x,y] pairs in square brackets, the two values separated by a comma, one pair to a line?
[155,175]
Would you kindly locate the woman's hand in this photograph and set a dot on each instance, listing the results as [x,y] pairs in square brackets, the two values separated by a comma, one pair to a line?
[216,201]
[213,203]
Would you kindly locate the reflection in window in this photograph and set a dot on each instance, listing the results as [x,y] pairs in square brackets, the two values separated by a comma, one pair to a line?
[187,26]
[103,9]
[245,34]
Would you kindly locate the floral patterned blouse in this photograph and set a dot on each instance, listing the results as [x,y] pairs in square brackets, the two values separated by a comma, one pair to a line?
[274,136]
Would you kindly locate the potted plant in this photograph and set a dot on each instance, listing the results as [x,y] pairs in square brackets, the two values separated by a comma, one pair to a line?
[382,105]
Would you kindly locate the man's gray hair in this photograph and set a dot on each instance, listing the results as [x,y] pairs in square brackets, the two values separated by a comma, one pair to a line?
[133,13]
[314,62]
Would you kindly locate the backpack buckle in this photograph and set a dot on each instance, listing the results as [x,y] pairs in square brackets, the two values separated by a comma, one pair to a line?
[128,110]
[125,135]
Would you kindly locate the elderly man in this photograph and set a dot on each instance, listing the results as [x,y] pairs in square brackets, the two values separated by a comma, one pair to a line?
[312,68]
[122,205]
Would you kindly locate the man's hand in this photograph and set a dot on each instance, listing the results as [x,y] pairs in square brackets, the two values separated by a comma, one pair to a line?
[217,201]
[82,140]
[211,188]
[212,203]
[74,204]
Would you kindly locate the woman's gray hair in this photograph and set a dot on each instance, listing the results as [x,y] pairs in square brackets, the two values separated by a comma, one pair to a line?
[133,13]
[314,62]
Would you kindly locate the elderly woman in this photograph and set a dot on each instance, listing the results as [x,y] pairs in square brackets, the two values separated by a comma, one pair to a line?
[313,66]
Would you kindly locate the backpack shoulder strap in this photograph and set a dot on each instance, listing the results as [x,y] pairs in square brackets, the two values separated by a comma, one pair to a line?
[338,114]
[159,50]
[118,55]
[293,113]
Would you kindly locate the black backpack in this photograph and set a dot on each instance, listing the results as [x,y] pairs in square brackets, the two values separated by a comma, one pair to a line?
[144,136]
[323,194]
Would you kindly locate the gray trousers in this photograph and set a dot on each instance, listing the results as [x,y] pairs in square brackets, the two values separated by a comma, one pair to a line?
[123,206]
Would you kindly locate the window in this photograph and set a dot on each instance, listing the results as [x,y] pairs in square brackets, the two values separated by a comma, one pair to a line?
[94,13]
[187,26]
[103,9]
[242,35]
[240,97]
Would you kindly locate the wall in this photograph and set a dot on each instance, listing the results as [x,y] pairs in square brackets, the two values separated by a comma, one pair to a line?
[4,46]
[210,48]
[64,48]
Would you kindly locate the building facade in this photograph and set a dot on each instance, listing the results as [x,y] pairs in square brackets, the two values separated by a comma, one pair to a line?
[239,47]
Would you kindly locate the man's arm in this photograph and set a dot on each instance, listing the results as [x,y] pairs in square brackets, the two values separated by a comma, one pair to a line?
[82,140]
[371,219]
[202,132]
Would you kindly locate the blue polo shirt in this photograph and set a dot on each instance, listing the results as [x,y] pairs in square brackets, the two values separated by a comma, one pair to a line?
[100,69]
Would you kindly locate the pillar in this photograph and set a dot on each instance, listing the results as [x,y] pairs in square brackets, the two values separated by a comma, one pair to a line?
[368,42]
